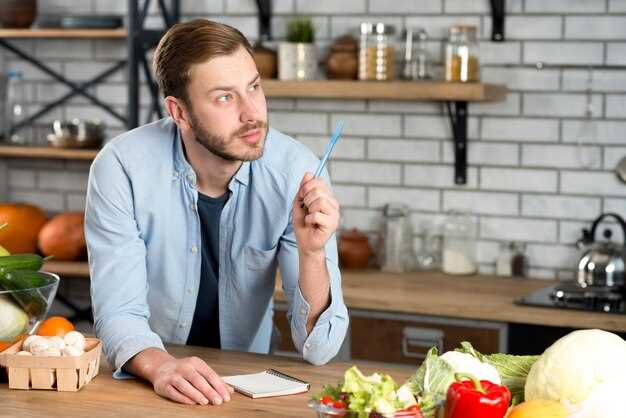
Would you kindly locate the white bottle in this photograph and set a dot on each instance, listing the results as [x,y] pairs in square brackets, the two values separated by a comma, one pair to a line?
[15,107]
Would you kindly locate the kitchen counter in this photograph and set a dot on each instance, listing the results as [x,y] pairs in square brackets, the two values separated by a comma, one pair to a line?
[477,297]
[106,397]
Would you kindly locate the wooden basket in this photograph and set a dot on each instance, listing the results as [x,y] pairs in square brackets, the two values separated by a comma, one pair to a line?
[67,374]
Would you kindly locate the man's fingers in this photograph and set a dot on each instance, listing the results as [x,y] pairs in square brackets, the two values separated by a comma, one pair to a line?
[324,205]
[200,383]
[187,389]
[319,219]
[172,393]
[213,378]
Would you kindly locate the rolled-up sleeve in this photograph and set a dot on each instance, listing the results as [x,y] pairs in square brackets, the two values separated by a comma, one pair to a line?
[117,263]
[326,337]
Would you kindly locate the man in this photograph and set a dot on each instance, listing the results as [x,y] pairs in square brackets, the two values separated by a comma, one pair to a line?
[188,218]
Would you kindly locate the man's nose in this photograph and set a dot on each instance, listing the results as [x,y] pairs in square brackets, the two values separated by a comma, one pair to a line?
[249,111]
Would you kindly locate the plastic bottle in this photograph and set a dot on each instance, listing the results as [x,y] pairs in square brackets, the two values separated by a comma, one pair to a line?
[15,107]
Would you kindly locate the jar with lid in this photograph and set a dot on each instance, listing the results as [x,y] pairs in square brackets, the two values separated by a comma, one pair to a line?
[416,59]
[459,244]
[519,260]
[461,60]
[395,240]
[377,54]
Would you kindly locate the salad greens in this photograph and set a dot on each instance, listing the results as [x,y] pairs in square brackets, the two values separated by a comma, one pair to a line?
[365,394]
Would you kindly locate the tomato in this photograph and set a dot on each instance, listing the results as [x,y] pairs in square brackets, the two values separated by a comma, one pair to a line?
[327,400]
[339,405]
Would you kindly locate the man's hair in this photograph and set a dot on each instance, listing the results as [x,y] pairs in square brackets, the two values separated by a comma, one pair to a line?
[189,43]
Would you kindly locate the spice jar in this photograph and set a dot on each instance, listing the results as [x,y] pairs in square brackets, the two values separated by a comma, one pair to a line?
[462,54]
[459,244]
[376,52]
[519,261]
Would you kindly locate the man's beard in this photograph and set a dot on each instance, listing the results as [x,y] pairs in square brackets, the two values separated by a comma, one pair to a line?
[218,145]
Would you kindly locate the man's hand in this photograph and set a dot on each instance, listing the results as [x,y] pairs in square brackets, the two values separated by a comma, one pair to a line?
[188,380]
[318,219]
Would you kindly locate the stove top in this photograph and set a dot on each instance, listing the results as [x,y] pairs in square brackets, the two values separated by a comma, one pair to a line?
[569,295]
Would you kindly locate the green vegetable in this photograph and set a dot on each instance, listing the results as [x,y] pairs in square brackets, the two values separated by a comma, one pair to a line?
[25,284]
[21,262]
[377,392]
[13,320]
[572,368]
[512,369]
[432,379]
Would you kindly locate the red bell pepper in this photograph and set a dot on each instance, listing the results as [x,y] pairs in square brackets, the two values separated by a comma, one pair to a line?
[476,399]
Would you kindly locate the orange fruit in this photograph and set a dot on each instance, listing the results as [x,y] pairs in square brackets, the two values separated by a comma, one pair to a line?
[6,344]
[55,325]
[539,408]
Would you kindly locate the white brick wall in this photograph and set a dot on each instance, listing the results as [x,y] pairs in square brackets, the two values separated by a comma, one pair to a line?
[529,178]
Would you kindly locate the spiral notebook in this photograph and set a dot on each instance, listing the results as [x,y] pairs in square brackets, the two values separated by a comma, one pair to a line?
[267,383]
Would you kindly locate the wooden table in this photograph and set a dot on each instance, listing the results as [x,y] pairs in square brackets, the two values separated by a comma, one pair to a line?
[106,397]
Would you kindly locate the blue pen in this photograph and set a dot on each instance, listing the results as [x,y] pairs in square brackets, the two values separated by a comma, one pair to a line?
[329,149]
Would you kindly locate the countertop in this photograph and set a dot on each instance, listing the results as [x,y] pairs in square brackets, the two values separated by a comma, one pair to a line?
[106,397]
[477,297]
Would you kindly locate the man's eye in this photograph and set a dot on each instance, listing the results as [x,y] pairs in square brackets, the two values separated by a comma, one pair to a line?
[224,98]
[254,87]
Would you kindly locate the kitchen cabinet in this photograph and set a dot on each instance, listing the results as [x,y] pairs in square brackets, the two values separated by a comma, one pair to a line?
[399,338]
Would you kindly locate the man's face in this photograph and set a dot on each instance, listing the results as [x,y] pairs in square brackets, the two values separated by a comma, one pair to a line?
[227,107]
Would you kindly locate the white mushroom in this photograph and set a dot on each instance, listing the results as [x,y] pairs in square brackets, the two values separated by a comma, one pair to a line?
[38,346]
[75,339]
[57,342]
[51,352]
[72,351]
[26,344]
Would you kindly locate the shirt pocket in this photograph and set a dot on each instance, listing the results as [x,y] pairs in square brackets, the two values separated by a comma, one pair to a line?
[261,260]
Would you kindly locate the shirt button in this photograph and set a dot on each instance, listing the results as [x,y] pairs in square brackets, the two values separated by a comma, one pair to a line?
[302,311]
[194,250]
[307,345]
[193,206]
[189,291]
[182,325]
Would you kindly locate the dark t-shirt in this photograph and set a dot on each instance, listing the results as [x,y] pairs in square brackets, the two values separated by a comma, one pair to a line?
[205,328]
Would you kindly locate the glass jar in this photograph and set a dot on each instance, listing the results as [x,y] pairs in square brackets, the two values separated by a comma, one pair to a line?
[504,262]
[395,240]
[519,260]
[416,59]
[459,244]
[462,54]
[377,56]
[429,256]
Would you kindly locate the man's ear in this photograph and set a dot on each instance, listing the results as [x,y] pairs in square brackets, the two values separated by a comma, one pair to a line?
[178,111]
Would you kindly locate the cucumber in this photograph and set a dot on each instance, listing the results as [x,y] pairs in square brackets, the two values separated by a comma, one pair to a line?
[26,282]
[21,262]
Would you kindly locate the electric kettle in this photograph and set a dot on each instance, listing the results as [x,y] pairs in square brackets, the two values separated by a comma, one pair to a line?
[603,262]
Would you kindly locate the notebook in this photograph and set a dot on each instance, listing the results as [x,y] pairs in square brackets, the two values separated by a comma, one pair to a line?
[267,383]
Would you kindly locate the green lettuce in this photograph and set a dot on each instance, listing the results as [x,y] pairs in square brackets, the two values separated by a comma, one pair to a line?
[432,379]
[513,369]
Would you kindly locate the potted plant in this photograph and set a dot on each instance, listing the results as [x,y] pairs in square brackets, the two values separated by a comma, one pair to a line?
[297,58]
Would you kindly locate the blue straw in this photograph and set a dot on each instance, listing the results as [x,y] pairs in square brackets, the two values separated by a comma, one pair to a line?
[329,148]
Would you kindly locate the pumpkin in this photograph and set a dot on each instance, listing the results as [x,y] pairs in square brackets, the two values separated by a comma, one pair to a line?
[24,222]
[64,237]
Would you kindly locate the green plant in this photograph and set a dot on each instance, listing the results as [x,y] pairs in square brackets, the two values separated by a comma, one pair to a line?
[301,30]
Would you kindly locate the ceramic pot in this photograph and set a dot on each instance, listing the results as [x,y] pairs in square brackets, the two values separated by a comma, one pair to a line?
[266,61]
[297,61]
[18,13]
[354,250]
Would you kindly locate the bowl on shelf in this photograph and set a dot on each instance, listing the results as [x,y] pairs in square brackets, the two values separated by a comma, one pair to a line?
[24,303]
[77,133]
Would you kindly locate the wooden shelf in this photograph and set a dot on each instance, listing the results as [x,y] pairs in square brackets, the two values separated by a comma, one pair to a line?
[386,90]
[47,152]
[63,33]
[67,268]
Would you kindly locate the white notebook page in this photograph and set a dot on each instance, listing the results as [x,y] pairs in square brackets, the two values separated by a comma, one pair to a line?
[258,385]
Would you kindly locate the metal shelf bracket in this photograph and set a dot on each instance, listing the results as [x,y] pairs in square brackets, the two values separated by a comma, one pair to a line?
[497,20]
[457,111]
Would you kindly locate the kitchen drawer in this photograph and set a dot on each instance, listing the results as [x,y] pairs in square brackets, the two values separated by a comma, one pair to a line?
[405,339]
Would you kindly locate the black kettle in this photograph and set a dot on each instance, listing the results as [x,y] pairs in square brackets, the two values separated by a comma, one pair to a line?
[603,262]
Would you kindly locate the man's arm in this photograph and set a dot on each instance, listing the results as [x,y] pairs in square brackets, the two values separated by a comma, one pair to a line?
[312,281]
[119,289]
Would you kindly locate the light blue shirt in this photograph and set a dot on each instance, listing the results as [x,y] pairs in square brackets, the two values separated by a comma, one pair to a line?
[143,236]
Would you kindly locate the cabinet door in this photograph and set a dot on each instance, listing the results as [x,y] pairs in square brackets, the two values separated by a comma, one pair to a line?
[405,340]
[281,338]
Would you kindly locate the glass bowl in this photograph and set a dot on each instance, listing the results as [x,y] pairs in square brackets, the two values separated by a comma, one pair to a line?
[326,411]
[24,304]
